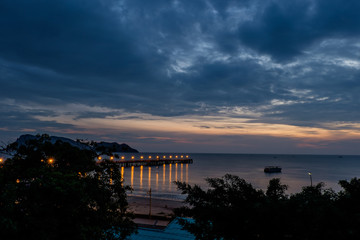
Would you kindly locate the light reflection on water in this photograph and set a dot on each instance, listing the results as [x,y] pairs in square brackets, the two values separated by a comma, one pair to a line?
[140,174]
[132,176]
[149,178]
[327,169]
[170,177]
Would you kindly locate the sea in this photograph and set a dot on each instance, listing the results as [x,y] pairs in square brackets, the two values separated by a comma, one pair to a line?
[297,172]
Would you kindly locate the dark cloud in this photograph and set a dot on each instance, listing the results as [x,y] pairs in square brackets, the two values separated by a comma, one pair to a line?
[292,62]
[71,37]
[237,83]
[285,29]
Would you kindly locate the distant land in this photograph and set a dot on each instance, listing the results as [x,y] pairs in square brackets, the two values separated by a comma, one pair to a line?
[103,147]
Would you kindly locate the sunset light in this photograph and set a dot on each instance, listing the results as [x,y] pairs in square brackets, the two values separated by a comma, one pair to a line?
[239,86]
[205,119]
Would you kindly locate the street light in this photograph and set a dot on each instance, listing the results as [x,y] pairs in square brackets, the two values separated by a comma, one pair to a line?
[310,179]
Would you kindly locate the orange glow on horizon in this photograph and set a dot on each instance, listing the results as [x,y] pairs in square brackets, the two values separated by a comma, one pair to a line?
[215,126]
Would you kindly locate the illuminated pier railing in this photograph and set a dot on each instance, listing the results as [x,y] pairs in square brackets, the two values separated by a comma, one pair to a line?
[146,160]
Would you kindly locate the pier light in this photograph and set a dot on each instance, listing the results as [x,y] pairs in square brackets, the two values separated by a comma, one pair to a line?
[111,157]
[164,157]
[17,180]
[99,157]
[176,156]
[51,161]
[187,156]
[132,157]
[157,157]
[142,157]
[170,156]
[122,157]
[182,156]
[42,160]
[149,157]
[1,160]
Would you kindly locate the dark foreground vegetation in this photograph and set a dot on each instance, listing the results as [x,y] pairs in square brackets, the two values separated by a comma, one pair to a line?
[233,209]
[57,191]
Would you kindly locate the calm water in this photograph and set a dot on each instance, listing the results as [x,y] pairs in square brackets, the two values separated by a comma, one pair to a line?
[295,168]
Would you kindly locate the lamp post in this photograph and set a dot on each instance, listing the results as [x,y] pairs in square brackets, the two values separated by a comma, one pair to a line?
[310,179]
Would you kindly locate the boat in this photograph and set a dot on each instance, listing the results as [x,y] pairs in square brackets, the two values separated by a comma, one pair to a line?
[272,169]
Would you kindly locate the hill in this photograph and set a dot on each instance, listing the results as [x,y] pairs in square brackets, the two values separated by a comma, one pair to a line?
[104,147]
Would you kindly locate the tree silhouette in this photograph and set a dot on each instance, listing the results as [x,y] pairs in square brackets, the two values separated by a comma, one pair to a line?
[57,191]
[230,208]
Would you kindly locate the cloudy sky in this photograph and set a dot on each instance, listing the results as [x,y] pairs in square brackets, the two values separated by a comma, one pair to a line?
[241,76]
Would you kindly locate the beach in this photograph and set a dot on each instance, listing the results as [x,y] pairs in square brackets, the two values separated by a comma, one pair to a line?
[159,207]
[161,211]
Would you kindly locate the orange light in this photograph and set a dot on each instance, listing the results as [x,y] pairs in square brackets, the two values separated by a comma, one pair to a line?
[42,160]
[176,156]
[51,161]
[17,180]
[132,157]
[170,156]
[164,156]
[157,157]
[149,157]
[187,156]
[112,158]
[99,157]
[141,157]
[182,156]
[1,160]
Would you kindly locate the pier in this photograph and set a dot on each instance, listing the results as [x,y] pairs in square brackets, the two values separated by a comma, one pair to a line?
[153,162]
[149,161]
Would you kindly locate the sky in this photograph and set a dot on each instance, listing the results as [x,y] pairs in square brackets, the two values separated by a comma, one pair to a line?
[210,76]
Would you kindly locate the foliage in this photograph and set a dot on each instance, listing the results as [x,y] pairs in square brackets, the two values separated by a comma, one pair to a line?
[57,191]
[231,208]
[214,209]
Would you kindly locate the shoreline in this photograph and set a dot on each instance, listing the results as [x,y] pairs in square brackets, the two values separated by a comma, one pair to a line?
[161,207]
